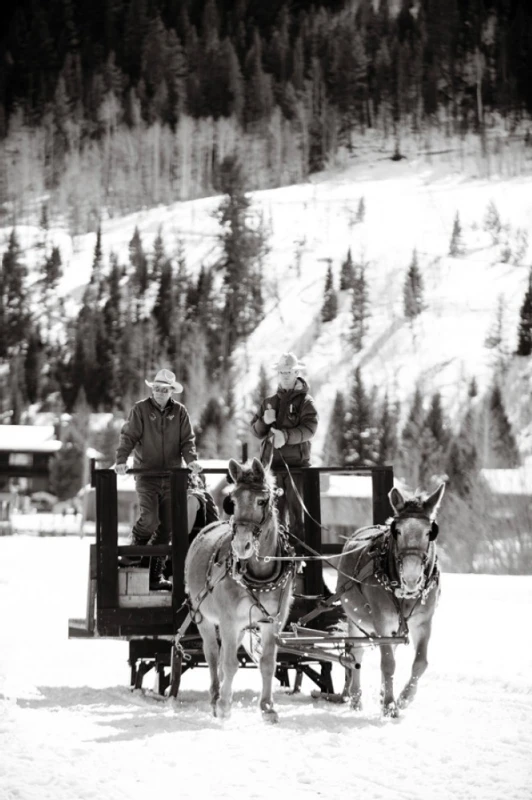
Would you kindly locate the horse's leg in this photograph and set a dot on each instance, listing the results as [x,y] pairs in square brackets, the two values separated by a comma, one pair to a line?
[267,670]
[212,656]
[389,706]
[231,638]
[420,639]
[353,688]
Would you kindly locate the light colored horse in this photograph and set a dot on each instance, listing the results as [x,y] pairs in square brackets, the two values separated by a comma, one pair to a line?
[390,585]
[232,588]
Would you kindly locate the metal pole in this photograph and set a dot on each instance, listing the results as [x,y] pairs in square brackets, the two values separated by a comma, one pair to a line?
[382,482]
[311,498]
[107,538]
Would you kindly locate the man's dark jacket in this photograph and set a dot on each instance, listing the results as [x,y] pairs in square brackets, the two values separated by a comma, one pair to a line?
[159,438]
[297,416]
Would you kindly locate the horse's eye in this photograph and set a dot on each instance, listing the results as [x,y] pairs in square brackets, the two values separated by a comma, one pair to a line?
[261,502]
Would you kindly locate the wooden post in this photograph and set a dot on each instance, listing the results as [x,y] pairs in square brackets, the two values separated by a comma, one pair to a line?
[311,498]
[107,539]
[178,496]
[382,482]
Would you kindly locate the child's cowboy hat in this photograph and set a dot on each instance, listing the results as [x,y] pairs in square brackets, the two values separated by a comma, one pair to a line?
[288,361]
[165,376]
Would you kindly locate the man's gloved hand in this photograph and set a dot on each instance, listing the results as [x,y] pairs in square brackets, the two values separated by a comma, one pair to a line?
[120,469]
[195,467]
[269,415]
[279,438]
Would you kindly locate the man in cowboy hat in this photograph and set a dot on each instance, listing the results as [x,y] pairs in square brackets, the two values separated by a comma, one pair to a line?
[286,423]
[159,433]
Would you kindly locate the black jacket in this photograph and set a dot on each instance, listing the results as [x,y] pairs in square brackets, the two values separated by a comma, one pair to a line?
[297,416]
[159,438]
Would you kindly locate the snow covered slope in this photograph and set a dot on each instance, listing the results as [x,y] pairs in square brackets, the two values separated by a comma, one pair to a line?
[407,207]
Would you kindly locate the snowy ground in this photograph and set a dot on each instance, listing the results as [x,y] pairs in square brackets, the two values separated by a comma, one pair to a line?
[70,729]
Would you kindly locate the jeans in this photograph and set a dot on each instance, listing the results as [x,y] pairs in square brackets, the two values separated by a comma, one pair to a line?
[154,524]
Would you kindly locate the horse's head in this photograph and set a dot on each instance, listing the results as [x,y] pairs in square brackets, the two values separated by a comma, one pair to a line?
[253,498]
[414,528]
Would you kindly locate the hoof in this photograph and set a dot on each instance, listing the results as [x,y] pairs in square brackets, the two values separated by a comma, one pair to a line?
[270,716]
[222,712]
[403,701]
[355,704]
[390,711]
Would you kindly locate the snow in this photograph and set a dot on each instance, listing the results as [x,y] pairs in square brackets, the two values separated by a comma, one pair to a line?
[70,728]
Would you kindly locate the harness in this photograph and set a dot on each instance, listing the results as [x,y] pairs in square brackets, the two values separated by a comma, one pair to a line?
[222,565]
[389,568]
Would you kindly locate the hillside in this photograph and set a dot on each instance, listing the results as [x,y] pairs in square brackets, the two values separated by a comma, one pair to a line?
[408,205]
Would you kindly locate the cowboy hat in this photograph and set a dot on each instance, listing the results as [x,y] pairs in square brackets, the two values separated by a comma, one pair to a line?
[168,377]
[288,361]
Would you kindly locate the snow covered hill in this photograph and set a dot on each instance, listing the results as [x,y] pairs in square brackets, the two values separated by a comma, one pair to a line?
[407,206]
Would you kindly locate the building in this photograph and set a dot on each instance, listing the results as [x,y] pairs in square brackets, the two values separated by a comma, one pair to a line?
[25,453]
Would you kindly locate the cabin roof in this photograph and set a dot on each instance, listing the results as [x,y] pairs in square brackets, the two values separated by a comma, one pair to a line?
[516,481]
[28,439]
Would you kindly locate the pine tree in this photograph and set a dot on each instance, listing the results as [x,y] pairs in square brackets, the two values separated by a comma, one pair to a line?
[361,210]
[524,333]
[456,247]
[413,290]
[359,307]
[334,448]
[462,460]
[158,257]
[410,444]
[347,272]
[435,421]
[262,390]
[502,444]
[243,248]
[33,366]
[14,311]
[139,263]
[164,304]
[66,468]
[329,309]
[360,434]
[492,221]
[97,263]
[53,269]
[387,433]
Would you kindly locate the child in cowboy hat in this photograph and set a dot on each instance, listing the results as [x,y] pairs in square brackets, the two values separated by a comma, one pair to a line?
[159,433]
[286,423]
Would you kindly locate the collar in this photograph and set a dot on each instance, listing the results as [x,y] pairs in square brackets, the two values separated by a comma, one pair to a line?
[299,386]
[169,404]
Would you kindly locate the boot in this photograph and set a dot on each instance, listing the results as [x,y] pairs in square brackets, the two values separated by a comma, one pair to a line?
[157,582]
[134,561]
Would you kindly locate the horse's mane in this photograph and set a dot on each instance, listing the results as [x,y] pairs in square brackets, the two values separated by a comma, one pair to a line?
[248,477]
[413,507]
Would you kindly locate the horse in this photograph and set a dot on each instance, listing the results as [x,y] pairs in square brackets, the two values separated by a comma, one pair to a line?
[389,586]
[232,586]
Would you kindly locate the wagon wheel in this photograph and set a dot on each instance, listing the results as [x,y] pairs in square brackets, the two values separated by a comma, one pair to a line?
[176,669]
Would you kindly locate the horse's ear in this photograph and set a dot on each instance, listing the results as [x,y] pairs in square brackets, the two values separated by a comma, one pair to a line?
[257,468]
[396,499]
[235,470]
[432,503]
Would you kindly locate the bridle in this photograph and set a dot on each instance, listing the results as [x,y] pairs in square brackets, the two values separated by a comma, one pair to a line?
[427,557]
[254,527]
